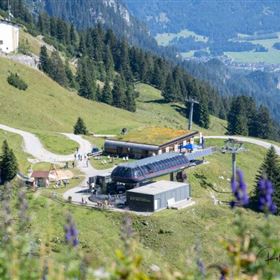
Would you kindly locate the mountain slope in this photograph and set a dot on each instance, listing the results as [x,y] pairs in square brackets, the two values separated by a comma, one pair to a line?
[245,31]
[262,86]
[215,19]
[46,106]
[87,13]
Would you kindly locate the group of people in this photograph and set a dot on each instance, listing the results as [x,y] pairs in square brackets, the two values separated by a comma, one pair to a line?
[80,157]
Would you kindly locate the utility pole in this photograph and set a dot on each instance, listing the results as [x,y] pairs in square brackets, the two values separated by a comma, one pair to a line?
[192,102]
[233,147]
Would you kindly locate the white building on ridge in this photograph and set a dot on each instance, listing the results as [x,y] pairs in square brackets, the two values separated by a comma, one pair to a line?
[9,36]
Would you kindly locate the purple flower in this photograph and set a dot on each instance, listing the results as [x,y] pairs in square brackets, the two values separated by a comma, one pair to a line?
[239,190]
[265,202]
[201,266]
[71,232]
[222,276]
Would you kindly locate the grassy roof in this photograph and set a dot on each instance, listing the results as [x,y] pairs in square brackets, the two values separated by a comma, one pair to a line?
[153,135]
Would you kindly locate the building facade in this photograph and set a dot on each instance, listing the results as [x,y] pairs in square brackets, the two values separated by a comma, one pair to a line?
[9,36]
[157,196]
[143,150]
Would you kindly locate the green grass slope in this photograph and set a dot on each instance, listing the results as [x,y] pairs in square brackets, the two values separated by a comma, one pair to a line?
[45,108]
[15,142]
[167,237]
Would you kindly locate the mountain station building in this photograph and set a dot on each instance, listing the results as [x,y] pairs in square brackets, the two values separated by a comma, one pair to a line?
[157,141]
[157,196]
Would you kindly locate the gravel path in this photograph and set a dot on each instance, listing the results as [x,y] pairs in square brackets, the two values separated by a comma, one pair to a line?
[33,147]
[258,142]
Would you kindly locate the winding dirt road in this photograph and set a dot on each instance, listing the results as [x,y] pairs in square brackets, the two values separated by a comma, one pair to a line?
[258,142]
[33,147]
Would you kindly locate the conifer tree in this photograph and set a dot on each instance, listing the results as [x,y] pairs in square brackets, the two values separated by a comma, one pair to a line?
[57,71]
[263,123]
[69,75]
[109,63]
[130,104]
[80,127]
[107,93]
[73,35]
[82,45]
[270,169]
[45,64]
[237,117]
[201,114]
[118,92]
[158,78]
[8,164]
[85,80]
[169,91]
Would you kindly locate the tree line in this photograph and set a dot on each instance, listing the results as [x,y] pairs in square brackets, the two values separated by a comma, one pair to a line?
[246,118]
[100,56]
[118,65]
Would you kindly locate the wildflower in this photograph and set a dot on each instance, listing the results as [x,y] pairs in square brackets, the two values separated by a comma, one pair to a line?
[201,267]
[265,202]
[239,190]
[71,232]
[23,207]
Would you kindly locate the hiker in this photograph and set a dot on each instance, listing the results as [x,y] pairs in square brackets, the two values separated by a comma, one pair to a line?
[73,164]
[82,200]
[77,149]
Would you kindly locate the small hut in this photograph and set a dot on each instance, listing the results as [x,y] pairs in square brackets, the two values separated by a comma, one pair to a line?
[41,178]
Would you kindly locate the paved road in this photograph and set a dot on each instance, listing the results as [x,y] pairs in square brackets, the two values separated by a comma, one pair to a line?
[258,142]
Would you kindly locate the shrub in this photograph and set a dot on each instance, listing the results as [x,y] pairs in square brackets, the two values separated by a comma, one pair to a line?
[16,81]
[24,48]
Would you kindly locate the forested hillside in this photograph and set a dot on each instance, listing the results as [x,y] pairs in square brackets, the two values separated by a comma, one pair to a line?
[118,65]
[262,86]
[112,14]
[103,68]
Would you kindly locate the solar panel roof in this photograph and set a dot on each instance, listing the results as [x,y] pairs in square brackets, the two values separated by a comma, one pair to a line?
[148,160]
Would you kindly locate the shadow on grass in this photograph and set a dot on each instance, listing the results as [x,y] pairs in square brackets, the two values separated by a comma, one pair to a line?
[158,101]
[181,110]
[205,184]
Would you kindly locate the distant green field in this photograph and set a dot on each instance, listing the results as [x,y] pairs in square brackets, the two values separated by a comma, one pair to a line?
[164,39]
[272,56]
